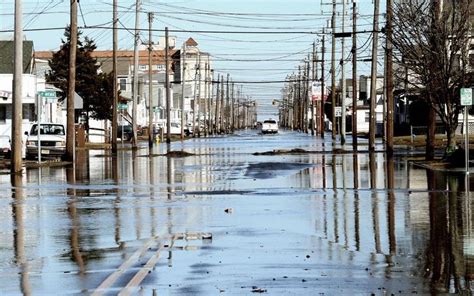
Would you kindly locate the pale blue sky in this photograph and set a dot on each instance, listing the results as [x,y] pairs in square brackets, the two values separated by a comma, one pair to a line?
[237,54]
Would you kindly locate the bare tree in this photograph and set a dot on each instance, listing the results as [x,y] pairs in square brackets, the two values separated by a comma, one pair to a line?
[431,42]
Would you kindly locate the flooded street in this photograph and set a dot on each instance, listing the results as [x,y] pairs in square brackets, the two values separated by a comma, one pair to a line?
[227,221]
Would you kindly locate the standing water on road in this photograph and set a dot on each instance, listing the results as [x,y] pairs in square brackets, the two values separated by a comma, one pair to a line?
[231,219]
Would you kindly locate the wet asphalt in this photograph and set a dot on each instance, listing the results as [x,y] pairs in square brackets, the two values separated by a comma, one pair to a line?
[225,221]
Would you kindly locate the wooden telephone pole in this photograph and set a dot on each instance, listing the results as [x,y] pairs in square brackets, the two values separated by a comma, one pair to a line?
[333,70]
[150,83]
[114,74]
[389,78]
[323,83]
[71,131]
[16,162]
[343,76]
[135,74]
[373,78]
[183,83]
[313,78]
[354,74]
[167,90]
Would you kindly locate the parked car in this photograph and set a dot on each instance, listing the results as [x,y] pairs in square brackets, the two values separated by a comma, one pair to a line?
[5,147]
[52,138]
[269,126]
[126,131]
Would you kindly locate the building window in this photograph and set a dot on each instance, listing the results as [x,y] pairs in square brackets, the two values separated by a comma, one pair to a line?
[367,116]
[123,84]
[3,113]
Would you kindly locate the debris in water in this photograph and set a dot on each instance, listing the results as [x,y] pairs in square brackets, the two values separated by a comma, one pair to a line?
[256,289]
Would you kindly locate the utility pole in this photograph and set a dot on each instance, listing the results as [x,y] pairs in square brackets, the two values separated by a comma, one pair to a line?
[233,109]
[373,78]
[222,105]
[216,119]
[16,163]
[354,74]
[71,87]
[199,96]
[227,109]
[313,78]
[135,74]
[209,92]
[183,80]
[167,89]
[114,74]
[323,82]
[150,83]
[333,69]
[343,76]
[305,95]
[389,77]
[206,99]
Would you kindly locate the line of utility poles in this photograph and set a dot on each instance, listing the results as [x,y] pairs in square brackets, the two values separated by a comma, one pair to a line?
[295,100]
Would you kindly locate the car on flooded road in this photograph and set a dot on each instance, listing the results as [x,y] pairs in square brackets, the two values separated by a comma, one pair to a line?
[269,126]
[51,139]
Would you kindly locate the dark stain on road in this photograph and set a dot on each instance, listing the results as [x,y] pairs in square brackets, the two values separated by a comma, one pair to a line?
[267,170]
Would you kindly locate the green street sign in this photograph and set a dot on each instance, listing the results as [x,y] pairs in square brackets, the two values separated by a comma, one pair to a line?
[122,106]
[47,94]
[466,96]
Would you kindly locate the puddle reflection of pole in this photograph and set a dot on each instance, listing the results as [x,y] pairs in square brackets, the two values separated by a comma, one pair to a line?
[115,176]
[345,197]
[335,201]
[19,233]
[75,225]
[455,233]
[373,170]
[324,168]
[391,205]
[355,170]
[151,174]
[136,176]
[169,210]
[375,201]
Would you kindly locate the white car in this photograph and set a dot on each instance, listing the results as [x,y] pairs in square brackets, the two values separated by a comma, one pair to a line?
[52,140]
[269,126]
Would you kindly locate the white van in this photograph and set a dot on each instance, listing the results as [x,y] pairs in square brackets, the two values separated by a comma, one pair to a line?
[52,139]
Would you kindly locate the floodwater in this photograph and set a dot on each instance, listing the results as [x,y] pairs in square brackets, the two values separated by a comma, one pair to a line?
[225,221]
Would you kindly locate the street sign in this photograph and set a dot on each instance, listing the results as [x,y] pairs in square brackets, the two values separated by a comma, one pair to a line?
[316,90]
[47,94]
[338,111]
[122,106]
[466,96]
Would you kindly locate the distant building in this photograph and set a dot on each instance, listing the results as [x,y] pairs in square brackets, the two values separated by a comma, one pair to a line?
[125,68]
[31,84]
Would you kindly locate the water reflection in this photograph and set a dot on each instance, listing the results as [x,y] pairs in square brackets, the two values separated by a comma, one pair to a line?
[19,235]
[115,203]
[74,238]
[447,264]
